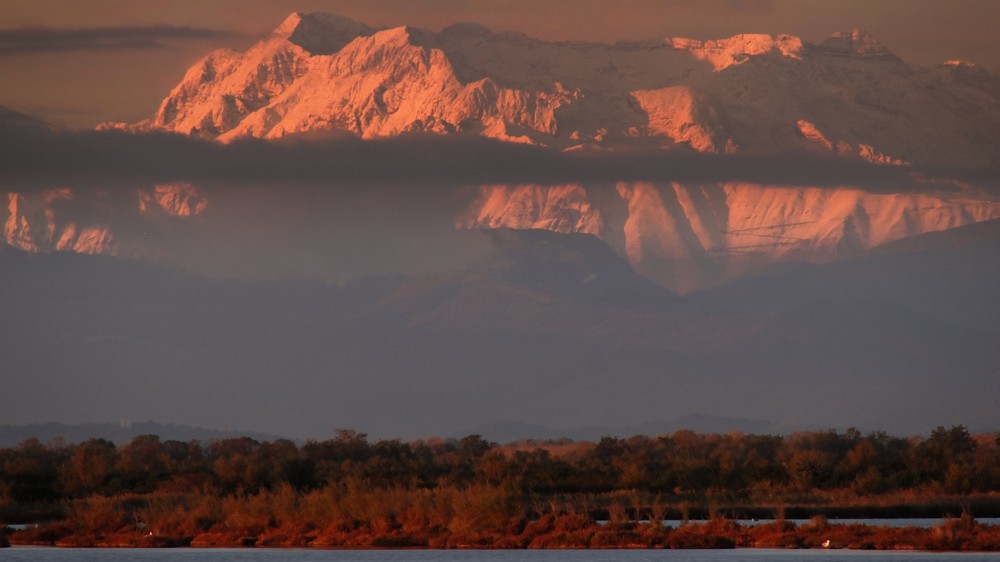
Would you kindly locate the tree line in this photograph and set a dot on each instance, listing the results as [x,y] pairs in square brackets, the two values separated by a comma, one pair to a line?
[350,491]
[684,463]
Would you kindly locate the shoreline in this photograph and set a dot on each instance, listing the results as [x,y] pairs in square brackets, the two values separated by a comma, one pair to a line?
[564,532]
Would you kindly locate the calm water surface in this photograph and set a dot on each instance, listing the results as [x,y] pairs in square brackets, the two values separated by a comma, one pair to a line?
[36,554]
[895,522]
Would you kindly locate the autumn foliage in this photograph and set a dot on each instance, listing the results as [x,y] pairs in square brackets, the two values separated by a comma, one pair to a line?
[469,493]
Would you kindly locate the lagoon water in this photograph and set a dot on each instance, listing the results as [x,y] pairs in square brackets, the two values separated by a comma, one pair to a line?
[925,522]
[45,554]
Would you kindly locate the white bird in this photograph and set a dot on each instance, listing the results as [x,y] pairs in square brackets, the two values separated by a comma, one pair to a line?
[826,543]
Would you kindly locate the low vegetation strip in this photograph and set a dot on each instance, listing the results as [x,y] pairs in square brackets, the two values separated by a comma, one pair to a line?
[414,530]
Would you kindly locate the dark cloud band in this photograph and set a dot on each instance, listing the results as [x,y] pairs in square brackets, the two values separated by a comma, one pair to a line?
[32,155]
[31,40]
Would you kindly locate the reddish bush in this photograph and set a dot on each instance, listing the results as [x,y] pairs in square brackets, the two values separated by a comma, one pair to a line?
[779,534]
[223,538]
[617,536]
[700,536]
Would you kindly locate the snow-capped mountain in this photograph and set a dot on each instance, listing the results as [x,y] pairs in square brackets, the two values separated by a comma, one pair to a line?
[848,96]
[747,92]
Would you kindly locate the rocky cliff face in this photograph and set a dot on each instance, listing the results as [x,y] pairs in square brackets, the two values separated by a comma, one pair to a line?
[63,220]
[849,96]
[33,225]
[688,237]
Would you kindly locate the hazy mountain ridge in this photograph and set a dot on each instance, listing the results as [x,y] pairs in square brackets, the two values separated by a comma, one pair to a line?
[505,340]
[956,269]
[120,433]
[507,431]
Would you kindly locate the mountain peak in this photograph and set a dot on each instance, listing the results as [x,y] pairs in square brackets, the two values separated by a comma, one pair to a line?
[412,35]
[321,33]
[289,24]
[855,43]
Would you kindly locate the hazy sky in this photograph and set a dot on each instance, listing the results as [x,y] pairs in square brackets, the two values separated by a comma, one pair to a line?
[81,63]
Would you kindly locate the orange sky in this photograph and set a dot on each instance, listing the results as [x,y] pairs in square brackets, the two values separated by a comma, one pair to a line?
[82,88]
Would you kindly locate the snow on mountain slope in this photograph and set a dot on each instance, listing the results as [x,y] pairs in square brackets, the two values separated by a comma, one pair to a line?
[677,113]
[564,209]
[687,237]
[223,88]
[372,83]
[738,49]
[748,93]
[323,72]
[175,200]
